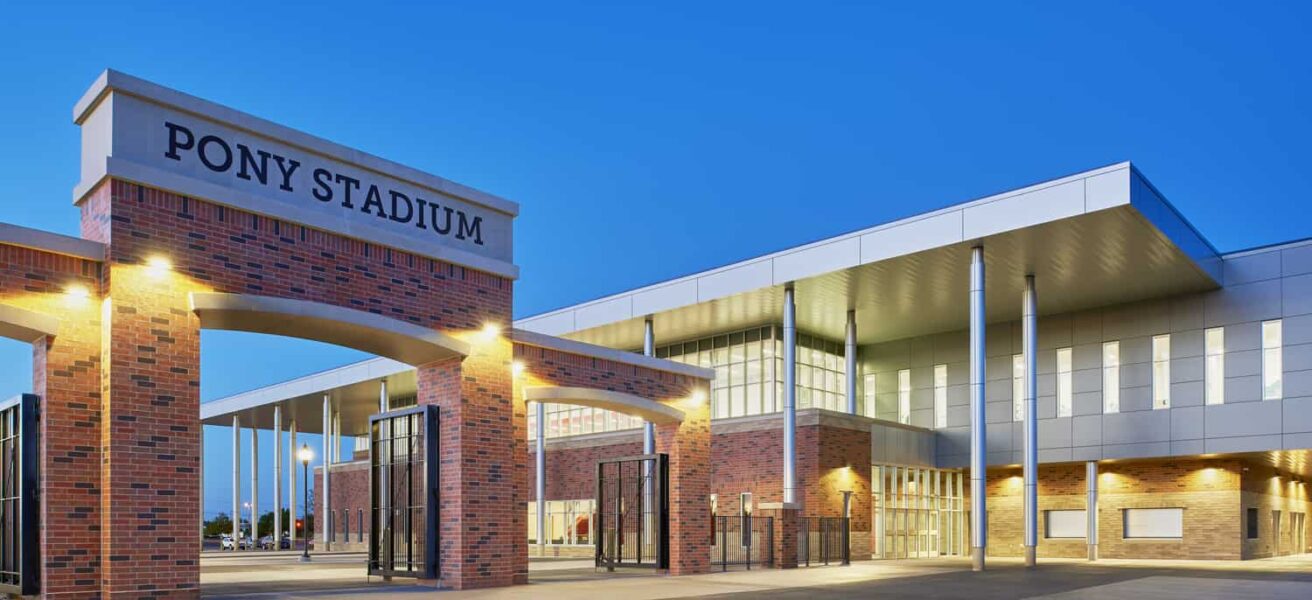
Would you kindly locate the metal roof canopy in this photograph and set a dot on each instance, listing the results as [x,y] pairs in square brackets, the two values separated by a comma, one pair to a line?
[1097,238]
[352,389]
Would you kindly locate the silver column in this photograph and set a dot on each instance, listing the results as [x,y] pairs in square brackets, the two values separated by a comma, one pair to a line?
[325,520]
[1091,507]
[236,479]
[255,484]
[384,402]
[291,482]
[277,476]
[790,397]
[979,534]
[849,353]
[648,428]
[200,525]
[540,460]
[1030,344]
[384,486]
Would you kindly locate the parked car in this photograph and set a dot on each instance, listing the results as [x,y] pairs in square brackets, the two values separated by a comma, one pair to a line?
[266,543]
[241,543]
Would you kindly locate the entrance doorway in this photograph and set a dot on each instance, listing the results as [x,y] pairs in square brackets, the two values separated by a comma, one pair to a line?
[403,493]
[918,512]
[633,512]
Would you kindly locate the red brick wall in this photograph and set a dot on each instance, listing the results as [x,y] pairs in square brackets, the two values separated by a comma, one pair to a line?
[572,472]
[65,374]
[149,386]
[687,443]
[350,488]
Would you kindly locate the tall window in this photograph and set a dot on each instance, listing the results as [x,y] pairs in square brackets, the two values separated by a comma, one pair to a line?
[904,396]
[1214,369]
[1018,387]
[1161,371]
[1111,377]
[940,396]
[1063,382]
[870,392]
[1272,363]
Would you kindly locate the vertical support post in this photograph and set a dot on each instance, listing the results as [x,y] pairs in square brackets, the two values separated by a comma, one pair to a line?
[236,480]
[790,397]
[291,483]
[277,477]
[1091,508]
[540,462]
[385,430]
[200,526]
[325,518]
[1030,339]
[648,447]
[255,486]
[849,354]
[978,422]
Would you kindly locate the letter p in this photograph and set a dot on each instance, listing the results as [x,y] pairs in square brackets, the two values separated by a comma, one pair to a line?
[180,138]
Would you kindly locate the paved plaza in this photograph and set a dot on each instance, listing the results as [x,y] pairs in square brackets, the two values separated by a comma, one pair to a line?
[338,576]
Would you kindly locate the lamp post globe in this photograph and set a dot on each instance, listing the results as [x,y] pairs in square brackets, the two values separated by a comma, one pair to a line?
[305,454]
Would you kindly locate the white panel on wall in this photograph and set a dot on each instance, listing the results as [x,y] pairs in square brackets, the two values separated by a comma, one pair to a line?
[1155,523]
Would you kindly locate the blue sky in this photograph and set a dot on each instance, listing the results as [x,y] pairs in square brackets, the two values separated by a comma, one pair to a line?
[673,139]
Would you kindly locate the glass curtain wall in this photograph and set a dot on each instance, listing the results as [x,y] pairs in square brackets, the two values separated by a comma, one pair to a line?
[749,370]
[919,512]
[569,522]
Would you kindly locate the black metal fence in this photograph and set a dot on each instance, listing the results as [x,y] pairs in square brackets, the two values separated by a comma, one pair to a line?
[403,493]
[19,506]
[823,541]
[742,542]
[633,512]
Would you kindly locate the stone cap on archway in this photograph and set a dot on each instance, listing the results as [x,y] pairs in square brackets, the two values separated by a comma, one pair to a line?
[25,325]
[361,330]
[620,402]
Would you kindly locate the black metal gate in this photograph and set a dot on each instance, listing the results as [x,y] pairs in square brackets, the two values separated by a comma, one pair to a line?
[823,541]
[20,568]
[403,493]
[633,512]
[742,541]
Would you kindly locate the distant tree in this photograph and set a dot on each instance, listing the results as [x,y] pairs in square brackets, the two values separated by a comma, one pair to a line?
[219,525]
[266,523]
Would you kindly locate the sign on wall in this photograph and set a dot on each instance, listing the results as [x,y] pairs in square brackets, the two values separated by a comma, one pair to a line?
[142,132]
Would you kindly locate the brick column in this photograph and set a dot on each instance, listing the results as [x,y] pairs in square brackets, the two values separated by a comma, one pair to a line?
[689,445]
[65,375]
[150,419]
[785,532]
[484,481]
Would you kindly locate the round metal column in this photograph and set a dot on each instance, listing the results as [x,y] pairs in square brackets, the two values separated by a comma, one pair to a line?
[236,480]
[790,397]
[1091,508]
[291,483]
[277,476]
[540,461]
[849,353]
[1030,343]
[325,518]
[979,534]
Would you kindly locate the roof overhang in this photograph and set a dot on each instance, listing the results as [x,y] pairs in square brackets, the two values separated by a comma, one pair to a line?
[620,402]
[361,330]
[1093,239]
[352,390]
[25,325]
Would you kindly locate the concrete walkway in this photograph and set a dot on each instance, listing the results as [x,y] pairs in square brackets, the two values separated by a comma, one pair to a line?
[277,575]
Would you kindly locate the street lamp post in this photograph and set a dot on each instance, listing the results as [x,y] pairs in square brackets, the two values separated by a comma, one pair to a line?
[305,455]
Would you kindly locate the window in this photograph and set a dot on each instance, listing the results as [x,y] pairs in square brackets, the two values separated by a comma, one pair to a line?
[1154,523]
[569,522]
[870,392]
[904,396]
[1063,382]
[940,396]
[1251,515]
[1272,364]
[1214,369]
[1161,371]
[1018,387]
[1111,377]
[745,504]
[1065,523]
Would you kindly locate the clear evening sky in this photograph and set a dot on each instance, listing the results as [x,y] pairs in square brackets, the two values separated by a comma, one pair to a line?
[647,143]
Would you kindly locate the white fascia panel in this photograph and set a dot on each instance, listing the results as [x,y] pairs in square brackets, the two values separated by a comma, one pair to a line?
[817,260]
[1107,190]
[556,323]
[735,280]
[603,312]
[666,297]
[1024,210]
[908,238]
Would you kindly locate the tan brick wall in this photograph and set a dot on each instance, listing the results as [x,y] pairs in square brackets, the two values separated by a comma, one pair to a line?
[1268,490]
